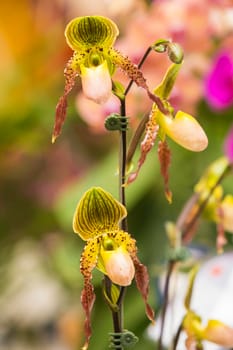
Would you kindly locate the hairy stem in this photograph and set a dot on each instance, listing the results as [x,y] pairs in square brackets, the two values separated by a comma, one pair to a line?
[139,66]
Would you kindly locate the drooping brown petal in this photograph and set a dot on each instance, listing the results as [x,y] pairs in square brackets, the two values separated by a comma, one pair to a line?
[87,263]
[142,281]
[61,108]
[87,300]
[146,145]
[164,154]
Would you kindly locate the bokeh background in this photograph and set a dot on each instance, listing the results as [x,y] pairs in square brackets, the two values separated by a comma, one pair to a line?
[41,183]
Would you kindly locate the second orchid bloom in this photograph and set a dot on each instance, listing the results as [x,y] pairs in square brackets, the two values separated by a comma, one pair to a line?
[110,249]
[181,128]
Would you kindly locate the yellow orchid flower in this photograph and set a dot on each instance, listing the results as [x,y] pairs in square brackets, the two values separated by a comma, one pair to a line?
[181,128]
[94,60]
[110,249]
[215,331]
[218,208]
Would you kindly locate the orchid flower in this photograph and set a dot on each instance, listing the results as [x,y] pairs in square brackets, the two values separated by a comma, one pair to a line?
[94,60]
[181,128]
[219,208]
[215,331]
[108,248]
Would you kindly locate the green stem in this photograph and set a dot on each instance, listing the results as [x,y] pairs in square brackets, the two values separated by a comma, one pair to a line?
[170,268]
[117,316]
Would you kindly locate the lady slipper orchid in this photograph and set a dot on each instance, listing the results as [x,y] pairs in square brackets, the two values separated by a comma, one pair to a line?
[218,208]
[94,60]
[182,128]
[215,331]
[110,249]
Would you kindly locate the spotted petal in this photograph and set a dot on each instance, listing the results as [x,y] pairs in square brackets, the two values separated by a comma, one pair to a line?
[88,262]
[97,213]
[61,108]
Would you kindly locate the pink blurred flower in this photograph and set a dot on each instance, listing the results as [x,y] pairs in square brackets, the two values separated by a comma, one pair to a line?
[228,145]
[219,82]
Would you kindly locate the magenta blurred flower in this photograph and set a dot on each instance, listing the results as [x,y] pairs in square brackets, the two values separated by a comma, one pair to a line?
[228,145]
[219,82]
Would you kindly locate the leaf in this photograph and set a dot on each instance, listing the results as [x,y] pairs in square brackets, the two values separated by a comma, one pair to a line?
[164,154]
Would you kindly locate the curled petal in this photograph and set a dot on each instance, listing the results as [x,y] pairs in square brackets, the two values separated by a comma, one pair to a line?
[184,130]
[164,154]
[96,82]
[97,212]
[219,333]
[90,31]
[118,265]
[61,108]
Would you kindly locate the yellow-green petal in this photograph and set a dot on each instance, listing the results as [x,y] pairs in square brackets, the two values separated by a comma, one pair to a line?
[90,31]
[165,87]
[97,213]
